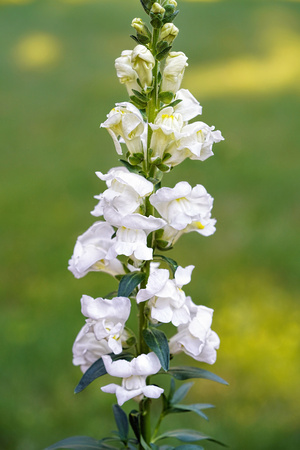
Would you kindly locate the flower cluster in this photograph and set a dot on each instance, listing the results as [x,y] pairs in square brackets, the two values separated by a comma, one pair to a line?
[156,130]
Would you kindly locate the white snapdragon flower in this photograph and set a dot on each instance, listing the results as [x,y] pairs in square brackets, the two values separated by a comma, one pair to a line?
[182,205]
[125,121]
[131,236]
[173,72]
[169,133]
[196,338]
[168,32]
[134,374]
[143,62]
[126,192]
[90,252]
[104,330]
[167,299]
[126,73]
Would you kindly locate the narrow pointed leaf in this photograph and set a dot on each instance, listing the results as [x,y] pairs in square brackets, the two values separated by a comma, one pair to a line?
[133,169]
[192,408]
[187,372]
[181,393]
[129,282]
[134,419]
[79,443]
[171,262]
[97,370]
[122,422]
[144,444]
[158,343]
[187,436]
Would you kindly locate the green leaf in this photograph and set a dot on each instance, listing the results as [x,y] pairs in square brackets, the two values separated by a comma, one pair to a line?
[134,420]
[172,389]
[133,169]
[158,343]
[181,393]
[189,447]
[163,54]
[144,444]
[176,102]
[134,38]
[79,443]
[171,262]
[122,422]
[97,370]
[170,17]
[141,96]
[163,167]
[166,96]
[161,46]
[196,408]
[129,282]
[134,161]
[187,436]
[187,372]
[146,4]
[137,102]
[143,39]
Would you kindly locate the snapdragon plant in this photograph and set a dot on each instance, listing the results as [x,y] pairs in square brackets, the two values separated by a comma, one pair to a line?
[139,220]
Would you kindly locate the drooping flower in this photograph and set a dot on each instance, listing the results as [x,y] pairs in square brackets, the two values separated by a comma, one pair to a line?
[173,72]
[182,205]
[126,73]
[196,338]
[126,192]
[90,252]
[104,330]
[143,63]
[167,299]
[125,121]
[134,374]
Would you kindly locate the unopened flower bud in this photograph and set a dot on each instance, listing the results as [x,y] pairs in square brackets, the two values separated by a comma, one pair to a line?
[173,72]
[143,63]
[168,32]
[172,3]
[157,9]
[140,27]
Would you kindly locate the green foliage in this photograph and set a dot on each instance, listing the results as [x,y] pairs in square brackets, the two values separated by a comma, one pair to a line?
[187,435]
[171,262]
[187,372]
[158,343]
[129,282]
[80,443]
[122,423]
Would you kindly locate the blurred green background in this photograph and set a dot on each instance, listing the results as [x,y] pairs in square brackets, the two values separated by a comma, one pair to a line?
[57,84]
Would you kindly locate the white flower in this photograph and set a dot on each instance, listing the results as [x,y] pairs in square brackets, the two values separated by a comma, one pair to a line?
[90,252]
[167,299]
[206,228]
[173,72]
[131,236]
[134,374]
[196,338]
[182,205]
[126,121]
[143,63]
[169,130]
[126,192]
[126,73]
[86,348]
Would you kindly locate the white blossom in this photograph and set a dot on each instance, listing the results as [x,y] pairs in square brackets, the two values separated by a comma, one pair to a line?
[196,338]
[126,192]
[173,72]
[90,252]
[167,299]
[168,32]
[143,63]
[182,205]
[103,331]
[126,121]
[126,73]
[134,374]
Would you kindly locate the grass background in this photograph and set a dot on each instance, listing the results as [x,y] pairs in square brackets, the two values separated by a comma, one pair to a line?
[57,84]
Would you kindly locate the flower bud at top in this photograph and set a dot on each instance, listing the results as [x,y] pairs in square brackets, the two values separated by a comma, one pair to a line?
[157,9]
[140,27]
[168,32]
[172,3]
[143,63]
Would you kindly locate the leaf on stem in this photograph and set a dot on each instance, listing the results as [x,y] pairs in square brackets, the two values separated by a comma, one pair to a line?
[129,282]
[134,420]
[97,370]
[187,435]
[181,393]
[158,343]
[196,408]
[131,168]
[122,422]
[187,372]
[171,262]
[80,443]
